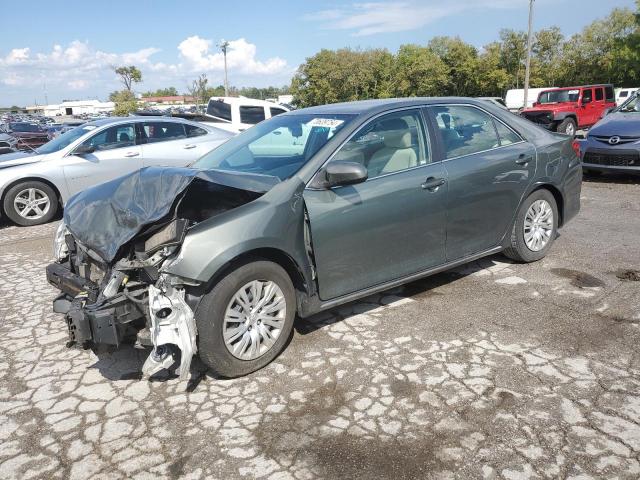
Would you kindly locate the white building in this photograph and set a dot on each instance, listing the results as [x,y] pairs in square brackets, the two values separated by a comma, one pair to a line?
[75,107]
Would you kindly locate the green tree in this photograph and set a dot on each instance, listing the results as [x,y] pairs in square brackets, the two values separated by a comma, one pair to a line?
[461,60]
[128,76]
[125,102]
[419,72]
[343,75]
[162,92]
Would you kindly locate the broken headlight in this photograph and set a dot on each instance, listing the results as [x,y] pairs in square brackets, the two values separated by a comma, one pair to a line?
[60,248]
[170,235]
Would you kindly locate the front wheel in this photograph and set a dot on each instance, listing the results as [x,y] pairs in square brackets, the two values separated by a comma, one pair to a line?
[567,126]
[30,203]
[535,228]
[246,319]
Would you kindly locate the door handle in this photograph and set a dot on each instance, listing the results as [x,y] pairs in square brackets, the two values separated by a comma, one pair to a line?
[131,154]
[432,183]
[524,159]
[187,147]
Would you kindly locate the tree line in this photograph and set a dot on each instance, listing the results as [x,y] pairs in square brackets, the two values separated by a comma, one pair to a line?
[606,51]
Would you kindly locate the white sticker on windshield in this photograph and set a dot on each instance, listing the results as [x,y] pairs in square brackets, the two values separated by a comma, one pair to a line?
[325,122]
[89,127]
[574,92]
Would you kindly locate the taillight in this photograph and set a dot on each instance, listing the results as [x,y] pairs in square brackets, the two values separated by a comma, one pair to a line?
[576,147]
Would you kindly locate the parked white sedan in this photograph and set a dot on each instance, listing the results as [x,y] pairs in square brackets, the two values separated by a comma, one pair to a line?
[34,185]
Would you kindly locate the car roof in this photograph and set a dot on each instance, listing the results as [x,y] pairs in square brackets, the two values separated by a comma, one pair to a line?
[112,120]
[246,101]
[369,107]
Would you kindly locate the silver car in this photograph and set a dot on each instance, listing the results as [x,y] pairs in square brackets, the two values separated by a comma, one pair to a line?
[33,186]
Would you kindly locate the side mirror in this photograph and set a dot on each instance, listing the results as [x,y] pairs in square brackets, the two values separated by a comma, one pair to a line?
[345,173]
[84,149]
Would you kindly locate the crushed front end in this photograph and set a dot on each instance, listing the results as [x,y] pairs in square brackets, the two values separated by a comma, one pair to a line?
[128,302]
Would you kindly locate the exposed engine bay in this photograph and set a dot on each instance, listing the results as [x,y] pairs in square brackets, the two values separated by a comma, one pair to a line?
[114,294]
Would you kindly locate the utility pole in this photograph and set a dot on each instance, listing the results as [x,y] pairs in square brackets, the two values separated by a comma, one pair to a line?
[223,46]
[528,61]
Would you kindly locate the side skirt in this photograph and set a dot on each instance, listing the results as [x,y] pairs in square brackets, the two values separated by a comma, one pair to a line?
[315,305]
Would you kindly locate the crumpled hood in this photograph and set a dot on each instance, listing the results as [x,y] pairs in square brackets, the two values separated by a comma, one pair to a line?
[106,216]
[624,124]
[19,158]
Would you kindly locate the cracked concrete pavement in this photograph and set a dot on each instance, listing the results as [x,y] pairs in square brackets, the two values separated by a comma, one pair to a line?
[492,370]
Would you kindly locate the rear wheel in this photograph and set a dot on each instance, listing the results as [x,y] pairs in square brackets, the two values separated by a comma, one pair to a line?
[567,126]
[30,203]
[246,319]
[535,228]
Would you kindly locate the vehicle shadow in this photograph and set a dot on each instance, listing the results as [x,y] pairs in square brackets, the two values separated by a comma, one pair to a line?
[416,290]
[620,178]
[126,363]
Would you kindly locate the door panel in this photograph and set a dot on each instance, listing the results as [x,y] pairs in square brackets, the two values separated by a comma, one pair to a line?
[377,231]
[116,154]
[484,192]
[488,167]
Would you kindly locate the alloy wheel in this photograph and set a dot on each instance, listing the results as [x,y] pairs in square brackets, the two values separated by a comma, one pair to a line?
[32,203]
[538,225]
[254,319]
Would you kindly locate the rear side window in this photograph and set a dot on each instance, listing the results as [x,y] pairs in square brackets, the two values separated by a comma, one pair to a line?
[251,115]
[276,111]
[599,94]
[610,94]
[219,109]
[193,131]
[506,135]
[162,131]
[465,130]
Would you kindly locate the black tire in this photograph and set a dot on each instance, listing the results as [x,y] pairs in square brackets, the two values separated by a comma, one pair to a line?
[517,249]
[10,209]
[210,319]
[566,124]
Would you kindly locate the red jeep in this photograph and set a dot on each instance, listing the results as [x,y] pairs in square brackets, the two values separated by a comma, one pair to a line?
[567,109]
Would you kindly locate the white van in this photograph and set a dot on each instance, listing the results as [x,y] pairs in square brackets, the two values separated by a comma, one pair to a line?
[236,114]
[622,94]
[515,98]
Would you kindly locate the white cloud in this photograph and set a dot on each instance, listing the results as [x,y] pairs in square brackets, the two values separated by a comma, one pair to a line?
[241,56]
[396,16]
[78,66]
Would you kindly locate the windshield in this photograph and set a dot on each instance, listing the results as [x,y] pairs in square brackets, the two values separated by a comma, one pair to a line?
[559,96]
[278,147]
[630,105]
[65,139]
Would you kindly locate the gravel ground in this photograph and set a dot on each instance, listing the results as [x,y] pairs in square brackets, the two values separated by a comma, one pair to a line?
[492,370]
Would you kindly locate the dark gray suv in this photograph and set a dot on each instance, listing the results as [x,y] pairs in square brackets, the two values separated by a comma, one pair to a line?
[303,212]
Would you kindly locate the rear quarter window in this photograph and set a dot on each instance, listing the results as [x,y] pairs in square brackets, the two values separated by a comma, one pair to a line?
[219,109]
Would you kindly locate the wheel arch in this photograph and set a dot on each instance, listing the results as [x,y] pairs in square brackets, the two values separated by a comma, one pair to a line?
[275,255]
[12,184]
[557,195]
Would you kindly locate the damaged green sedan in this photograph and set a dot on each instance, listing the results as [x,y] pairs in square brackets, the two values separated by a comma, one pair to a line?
[303,212]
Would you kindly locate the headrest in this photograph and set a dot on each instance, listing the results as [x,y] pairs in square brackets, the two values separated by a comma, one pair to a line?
[397,139]
[393,124]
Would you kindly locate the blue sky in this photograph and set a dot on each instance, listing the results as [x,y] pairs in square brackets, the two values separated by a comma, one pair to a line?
[69,47]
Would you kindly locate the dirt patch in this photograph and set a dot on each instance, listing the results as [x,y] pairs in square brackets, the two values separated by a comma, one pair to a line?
[403,388]
[176,469]
[578,279]
[350,457]
[629,275]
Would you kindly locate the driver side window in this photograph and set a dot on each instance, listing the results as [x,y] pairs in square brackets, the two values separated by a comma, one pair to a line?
[118,136]
[389,144]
